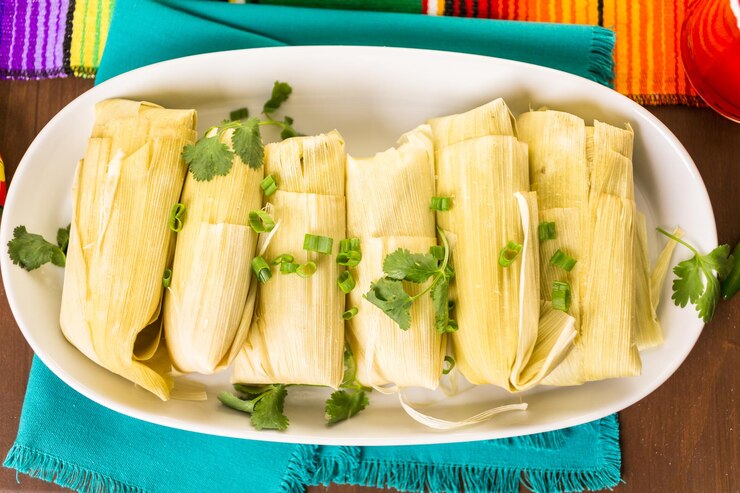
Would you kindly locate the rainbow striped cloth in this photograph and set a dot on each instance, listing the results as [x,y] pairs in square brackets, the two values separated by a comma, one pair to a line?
[57,38]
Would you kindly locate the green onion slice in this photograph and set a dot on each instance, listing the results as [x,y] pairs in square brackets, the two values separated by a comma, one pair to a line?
[346,282]
[167,278]
[288,267]
[546,231]
[318,244]
[350,313]
[350,253]
[261,269]
[441,203]
[306,270]
[562,260]
[261,222]
[239,114]
[177,215]
[437,251]
[283,258]
[561,296]
[269,185]
[449,366]
[509,253]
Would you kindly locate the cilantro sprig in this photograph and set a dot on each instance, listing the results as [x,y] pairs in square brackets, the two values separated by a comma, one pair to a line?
[343,404]
[264,404]
[388,294]
[31,251]
[210,157]
[698,278]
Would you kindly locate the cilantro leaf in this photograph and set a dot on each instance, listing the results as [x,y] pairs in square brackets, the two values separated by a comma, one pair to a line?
[350,368]
[343,405]
[31,251]
[406,266]
[207,158]
[248,144]
[440,300]
[230,400]
[268,410]
[389,296]
[63,238]
[697,278]
[280,94]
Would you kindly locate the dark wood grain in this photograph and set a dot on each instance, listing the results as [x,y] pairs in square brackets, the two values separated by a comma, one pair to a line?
[681,438]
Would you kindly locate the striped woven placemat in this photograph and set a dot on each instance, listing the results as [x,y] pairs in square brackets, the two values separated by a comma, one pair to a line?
[56,38]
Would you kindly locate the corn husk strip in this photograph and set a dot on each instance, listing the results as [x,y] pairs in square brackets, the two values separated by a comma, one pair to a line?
[122,195]
[648,332]
[492,118]
[482,176]
[607,326]
[207,299]
[384,353]
[657,277]
[568,240]
[544,339]
[297,335]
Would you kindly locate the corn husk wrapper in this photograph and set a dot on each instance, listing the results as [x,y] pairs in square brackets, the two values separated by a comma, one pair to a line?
[385,353]
[208,310]
[297,335]
[120,242]
[657,276]
[497,308]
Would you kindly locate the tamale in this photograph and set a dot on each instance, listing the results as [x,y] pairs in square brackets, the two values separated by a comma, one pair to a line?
[120,242]
[497,308]
[206,313]
[297,335]
[385,353]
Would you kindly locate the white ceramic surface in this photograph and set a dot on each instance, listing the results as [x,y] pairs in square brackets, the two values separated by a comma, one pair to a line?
[371,95]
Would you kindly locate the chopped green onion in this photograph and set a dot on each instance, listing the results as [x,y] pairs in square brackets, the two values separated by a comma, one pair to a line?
[288,267]
[349,252]
[546,231]
[167,278]
[283,258]
[562,260]
[350,313]
[239,114]
[561,296]
[346,282]
[450,365]
[509,253]
[318,244]
[451,326]
[177,214]
[441,203]
[269,185]
[261,222]
[437,251]
[261,269]
[306,270]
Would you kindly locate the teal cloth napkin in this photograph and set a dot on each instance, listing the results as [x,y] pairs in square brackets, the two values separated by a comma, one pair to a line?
[65,438]
[68,439]
[148,31]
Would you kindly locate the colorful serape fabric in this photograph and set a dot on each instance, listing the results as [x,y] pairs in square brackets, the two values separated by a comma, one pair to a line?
[54,38]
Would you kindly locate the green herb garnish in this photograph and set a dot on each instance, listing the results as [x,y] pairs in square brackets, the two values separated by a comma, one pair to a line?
[268,185]
[546,231]
[261,269]
[509,253]
[350,253]
[177,216]
[450,364]
[388,294]
[306,270]
[349,314]
[346,282]
[283,258]
[343,405]
[561,296]
[210,156]
[31,251]
[698,278]
[317,243]
[562,260]
[288,267]
[264,404]
[441,203]
[167,278]
[261,222]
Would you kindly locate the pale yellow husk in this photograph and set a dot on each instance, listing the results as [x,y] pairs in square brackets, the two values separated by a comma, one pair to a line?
[385,353]
[297,335]
[497,307]
[120,242]
[648,332]
[207,311]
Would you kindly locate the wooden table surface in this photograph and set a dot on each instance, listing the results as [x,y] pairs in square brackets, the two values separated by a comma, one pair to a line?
[681,438]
